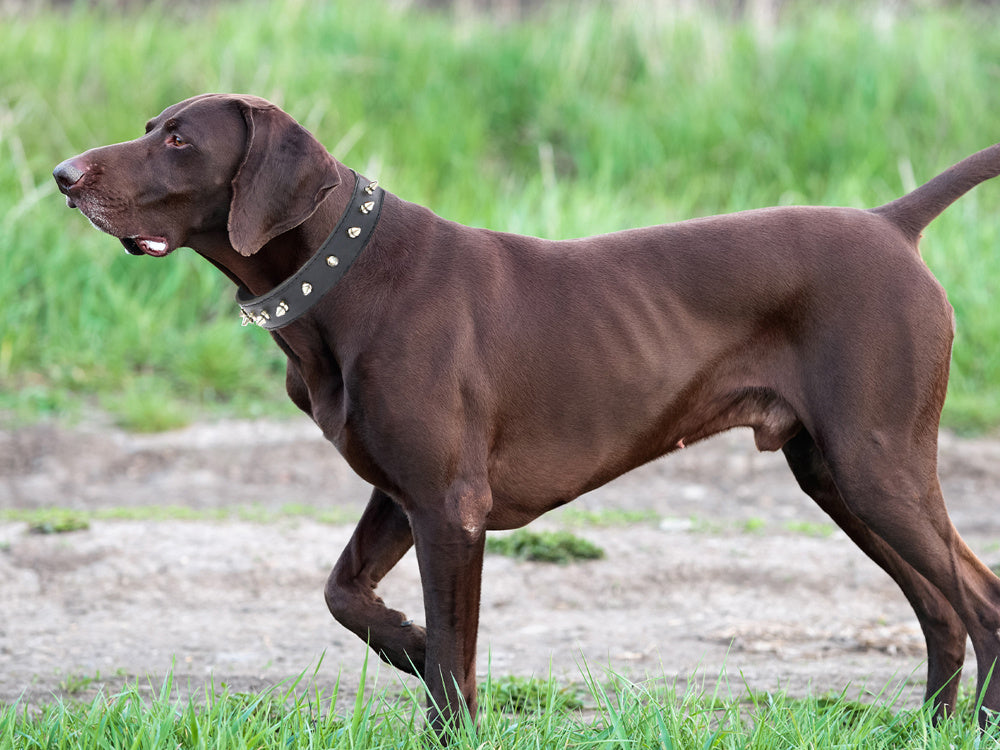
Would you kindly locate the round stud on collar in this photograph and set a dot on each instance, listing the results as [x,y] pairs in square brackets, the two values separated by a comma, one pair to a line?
[332,260]
[306,288]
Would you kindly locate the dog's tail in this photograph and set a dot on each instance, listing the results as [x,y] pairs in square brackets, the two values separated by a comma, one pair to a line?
[917,209]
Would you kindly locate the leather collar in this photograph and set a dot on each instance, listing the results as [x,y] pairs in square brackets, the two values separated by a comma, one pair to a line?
[295,296]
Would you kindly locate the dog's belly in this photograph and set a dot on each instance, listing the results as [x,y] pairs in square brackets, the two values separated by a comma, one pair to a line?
[549,470]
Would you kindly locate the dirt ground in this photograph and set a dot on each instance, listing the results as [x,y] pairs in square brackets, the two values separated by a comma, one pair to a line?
[741,575]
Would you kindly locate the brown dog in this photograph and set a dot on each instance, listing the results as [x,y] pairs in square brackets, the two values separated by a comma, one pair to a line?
[479,379]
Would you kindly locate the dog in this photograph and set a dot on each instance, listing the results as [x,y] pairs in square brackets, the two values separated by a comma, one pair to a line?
[478,379]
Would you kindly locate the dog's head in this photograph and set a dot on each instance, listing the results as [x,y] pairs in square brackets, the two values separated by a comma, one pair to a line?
[207,165]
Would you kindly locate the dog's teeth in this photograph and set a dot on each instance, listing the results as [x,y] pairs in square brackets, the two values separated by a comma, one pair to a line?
[155,246]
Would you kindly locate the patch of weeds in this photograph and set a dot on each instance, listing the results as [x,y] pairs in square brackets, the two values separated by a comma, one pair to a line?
[544,546]
[327,514]
[604,517]
[263,707]
[215,363]
[851,713]
[162,513]
[836,715]
[701,525]
[754,525]
[57,521]
[146,406]
[971,413]
[76,683]
[811,528]
[528,695]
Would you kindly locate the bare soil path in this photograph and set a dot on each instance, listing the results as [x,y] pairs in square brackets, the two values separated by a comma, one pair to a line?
[739,573]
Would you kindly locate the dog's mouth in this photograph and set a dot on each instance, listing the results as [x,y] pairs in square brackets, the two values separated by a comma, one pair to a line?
[157,247]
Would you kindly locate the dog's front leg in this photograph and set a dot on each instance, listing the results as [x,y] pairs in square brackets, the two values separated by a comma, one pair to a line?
[380,539]
[450,539]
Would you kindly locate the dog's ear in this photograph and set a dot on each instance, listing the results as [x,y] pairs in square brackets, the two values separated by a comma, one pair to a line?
[284,176]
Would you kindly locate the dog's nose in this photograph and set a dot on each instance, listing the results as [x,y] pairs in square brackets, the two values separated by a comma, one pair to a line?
[67,175]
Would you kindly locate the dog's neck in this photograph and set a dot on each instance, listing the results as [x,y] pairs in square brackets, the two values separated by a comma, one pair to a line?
[285,254]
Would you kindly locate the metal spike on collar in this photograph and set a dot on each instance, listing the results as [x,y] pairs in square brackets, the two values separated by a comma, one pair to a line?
[353,232]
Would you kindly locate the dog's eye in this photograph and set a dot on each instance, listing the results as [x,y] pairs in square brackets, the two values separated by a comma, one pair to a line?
[176,141]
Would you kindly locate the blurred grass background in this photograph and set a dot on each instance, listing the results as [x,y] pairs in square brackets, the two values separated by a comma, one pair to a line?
[573,119]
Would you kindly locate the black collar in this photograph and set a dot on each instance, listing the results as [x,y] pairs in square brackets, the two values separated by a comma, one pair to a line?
[297,294]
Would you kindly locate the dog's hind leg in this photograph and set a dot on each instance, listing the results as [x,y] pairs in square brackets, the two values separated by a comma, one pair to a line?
[888,479]
[944,632]
[380,539]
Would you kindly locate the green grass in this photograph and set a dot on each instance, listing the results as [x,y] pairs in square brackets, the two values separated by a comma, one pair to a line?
[559,546]
[55,521]
[580,120]
[512,694]
[77,683]
[600,713]
[63,520]
[544,546]
[573,516]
